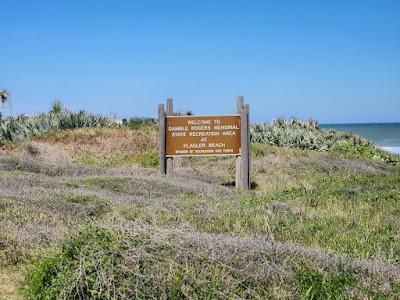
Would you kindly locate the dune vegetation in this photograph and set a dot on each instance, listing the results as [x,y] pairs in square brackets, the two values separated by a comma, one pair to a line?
[84,214]
[18,128]
[300,134]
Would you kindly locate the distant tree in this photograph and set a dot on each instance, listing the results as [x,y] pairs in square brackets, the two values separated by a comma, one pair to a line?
[3,96]
[183,113]
[57,107]
[138,122]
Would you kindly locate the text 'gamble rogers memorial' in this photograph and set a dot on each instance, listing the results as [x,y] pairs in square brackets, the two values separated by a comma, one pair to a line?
[199,135]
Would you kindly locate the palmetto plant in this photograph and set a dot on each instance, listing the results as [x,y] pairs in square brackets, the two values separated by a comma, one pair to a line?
[296,133]
[300,134]
[14,129]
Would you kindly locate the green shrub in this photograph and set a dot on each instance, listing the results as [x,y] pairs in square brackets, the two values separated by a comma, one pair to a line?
[300,134]
[370,151]
[85,266]
[307,135]
[97,263]
[14,129]
[136,123]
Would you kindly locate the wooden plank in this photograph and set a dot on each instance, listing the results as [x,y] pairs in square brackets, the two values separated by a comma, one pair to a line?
[170,107]
[247,108]
[169,160]
[161,126]
[245,167]
[239,107]
[239,104]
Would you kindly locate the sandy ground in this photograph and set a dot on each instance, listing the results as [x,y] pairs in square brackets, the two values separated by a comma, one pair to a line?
[8,283]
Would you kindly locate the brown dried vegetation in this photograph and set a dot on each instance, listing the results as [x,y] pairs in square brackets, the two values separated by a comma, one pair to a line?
[104,146]
[316,225]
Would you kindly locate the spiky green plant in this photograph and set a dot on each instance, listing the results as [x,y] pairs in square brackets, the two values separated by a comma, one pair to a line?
[14,129]
[300,134]
[57,107]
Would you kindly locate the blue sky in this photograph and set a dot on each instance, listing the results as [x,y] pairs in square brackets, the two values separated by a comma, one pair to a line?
[335,61]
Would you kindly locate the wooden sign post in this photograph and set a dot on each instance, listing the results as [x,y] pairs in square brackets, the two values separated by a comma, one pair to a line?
[205,136]
[161,127]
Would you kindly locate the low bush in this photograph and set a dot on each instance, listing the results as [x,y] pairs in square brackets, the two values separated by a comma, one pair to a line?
[307,135]
[301,134]
[101,263]
[83,267]
[144,263]
[137,122]
[15,129]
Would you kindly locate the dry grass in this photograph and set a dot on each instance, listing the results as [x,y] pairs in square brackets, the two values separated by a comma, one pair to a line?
[103,144]
[9,281]
[321,216]
[97,146]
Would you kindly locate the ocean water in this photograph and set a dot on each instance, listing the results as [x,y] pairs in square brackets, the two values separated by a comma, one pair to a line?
[385,135]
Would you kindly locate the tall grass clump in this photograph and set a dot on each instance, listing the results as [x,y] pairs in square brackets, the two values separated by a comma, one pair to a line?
[83,267]
[145,263]
[15,129]
[99,263]
[57,107]
[300,134]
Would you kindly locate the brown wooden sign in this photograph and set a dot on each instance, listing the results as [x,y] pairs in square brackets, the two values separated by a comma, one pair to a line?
[203,135]
[206,135]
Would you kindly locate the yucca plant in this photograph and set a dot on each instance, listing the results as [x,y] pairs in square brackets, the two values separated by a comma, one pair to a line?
[57,107]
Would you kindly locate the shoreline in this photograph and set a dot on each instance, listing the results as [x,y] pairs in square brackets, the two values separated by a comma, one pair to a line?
[395,150]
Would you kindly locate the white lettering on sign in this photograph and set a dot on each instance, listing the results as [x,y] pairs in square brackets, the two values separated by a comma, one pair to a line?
[216,145]
[199,122]
[174,134]
[200,127]
[178,128]
[210,135]
[226,127]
